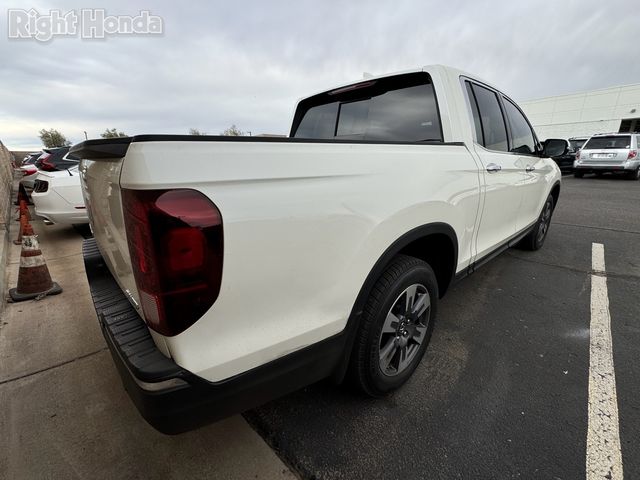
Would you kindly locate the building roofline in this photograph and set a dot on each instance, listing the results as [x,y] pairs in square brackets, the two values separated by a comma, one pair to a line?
[582,92]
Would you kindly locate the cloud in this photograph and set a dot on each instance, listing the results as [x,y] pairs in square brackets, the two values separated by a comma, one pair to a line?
[248,62]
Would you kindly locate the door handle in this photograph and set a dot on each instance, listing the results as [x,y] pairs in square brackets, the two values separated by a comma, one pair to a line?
[493,168]
[530,168]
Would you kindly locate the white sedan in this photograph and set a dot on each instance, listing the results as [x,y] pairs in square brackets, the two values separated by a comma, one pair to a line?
[58,198]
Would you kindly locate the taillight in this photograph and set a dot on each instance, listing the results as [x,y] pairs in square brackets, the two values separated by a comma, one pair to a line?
[42,158]
[578,155]
[47,166]
[632,154]
[176,244]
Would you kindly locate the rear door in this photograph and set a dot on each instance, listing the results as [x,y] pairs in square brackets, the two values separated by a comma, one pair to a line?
[535,170]
[502,171]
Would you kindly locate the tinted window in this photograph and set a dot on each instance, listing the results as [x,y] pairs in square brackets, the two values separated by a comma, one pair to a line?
[401,108]
[619,141]
[493,128]
[476,115]
[522,140]
[319,122]
[353,119]
[575,145]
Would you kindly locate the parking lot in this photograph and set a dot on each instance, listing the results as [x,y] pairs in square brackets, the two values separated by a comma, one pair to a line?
[503,391]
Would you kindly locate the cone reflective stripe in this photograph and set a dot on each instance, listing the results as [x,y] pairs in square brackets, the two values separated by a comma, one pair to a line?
[33,277]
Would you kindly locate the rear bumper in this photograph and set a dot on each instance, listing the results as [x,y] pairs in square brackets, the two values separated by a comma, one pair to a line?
[564,163]
[64,218]
[174,400]
[603,167]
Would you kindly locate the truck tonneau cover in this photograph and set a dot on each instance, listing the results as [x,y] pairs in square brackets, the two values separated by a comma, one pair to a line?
[99,149]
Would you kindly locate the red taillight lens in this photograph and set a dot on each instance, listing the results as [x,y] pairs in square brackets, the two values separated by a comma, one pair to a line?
[47,166]
[176,246]
[578,155]
[632,154]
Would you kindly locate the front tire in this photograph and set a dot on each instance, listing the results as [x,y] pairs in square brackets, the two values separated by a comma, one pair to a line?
[536,237]
[395,328]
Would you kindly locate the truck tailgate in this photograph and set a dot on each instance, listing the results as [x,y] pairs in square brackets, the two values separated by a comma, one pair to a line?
[100,180]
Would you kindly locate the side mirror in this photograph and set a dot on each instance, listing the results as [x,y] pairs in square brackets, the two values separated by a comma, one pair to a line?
[554,147]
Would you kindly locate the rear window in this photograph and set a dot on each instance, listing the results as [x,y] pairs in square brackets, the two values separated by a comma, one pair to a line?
[401,108]
[618,141]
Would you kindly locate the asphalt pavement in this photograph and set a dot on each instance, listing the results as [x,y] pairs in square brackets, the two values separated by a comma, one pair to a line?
[63,411]
[503,390]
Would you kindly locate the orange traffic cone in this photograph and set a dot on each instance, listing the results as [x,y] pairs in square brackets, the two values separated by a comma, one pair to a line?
[23,223]
[22,195]
[33,277]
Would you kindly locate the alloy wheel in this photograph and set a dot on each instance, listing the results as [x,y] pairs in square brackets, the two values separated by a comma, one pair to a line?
[404,329]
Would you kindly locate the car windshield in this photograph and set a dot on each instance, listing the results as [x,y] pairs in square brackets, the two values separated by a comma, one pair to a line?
[610,142]
[575,145]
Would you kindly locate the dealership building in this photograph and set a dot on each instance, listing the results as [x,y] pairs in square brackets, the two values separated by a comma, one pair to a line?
[615,109]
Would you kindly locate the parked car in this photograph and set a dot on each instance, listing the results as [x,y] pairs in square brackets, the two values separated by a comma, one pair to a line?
[610,152]
[30,158]
[56,159]
[29,173]
[57,197]
[337,243]
[565,162]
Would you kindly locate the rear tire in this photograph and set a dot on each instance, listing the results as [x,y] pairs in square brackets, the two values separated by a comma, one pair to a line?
[634,174]
[395,327]
[536,237]
[578,174]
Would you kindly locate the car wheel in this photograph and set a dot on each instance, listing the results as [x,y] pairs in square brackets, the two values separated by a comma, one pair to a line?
[634,174]
[536,237]
[578,174]
[395,327]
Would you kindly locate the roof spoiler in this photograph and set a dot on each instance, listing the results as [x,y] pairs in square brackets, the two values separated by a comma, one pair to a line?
[100,149]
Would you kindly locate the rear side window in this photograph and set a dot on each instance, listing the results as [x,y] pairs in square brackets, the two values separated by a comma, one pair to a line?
[401,108]
[609,142]
[494,130]
[522,140]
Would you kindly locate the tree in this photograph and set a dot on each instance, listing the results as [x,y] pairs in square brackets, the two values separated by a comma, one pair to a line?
[195,131]
[112,133]
[233,131]
[53,138]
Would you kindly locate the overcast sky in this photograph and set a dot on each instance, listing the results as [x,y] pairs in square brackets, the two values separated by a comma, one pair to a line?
[246,63]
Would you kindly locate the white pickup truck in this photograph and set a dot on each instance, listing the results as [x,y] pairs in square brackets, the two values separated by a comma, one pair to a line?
[226,271]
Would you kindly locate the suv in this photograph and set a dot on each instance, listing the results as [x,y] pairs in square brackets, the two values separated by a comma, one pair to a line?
[565,162]
[56,159]
[610,152]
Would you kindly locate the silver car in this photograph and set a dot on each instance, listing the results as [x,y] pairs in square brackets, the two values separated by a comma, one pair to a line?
[611,152]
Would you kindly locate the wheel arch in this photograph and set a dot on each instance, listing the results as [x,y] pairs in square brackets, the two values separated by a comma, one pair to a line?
[436,243]
[555,193]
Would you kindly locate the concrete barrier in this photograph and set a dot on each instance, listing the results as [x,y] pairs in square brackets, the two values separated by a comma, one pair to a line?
[6,183]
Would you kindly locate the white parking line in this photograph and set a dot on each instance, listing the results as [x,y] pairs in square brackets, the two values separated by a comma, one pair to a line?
[604,457]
